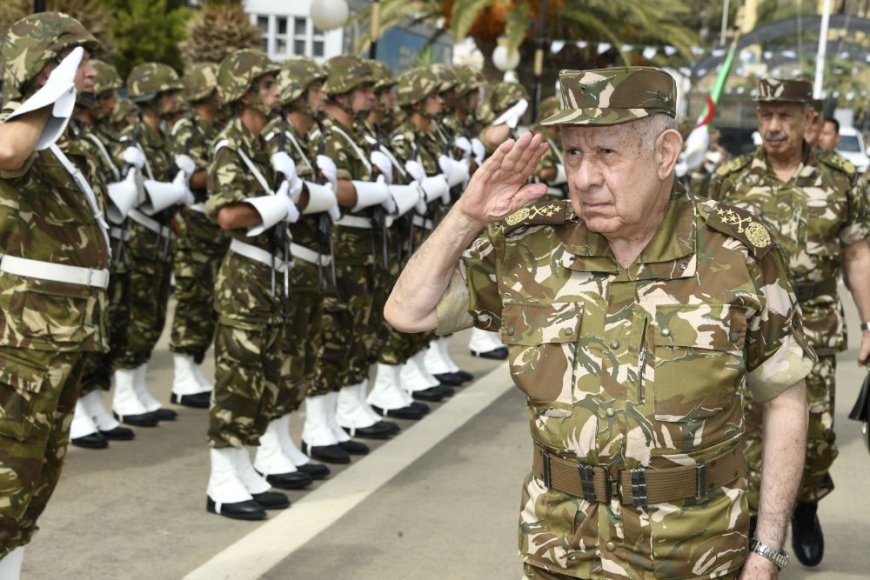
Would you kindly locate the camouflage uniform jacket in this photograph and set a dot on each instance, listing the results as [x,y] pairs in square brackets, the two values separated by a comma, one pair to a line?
[243,292]
[813,215]
[44,215]
[637,367]
[408,143]
[303,150]
[192,137]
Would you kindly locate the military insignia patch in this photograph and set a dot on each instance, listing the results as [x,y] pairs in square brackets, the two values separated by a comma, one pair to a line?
[740,224]
[541,212]
[733,165]
[758,235]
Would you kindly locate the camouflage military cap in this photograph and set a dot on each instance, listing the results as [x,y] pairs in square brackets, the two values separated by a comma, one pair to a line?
[612,96]
[383,75]
[468,77]
[148,79]
[446,76]
[415,85]
[107,78]
[296,76]
[35,41]
[549,107]
[200,81]
[239,70]
[504,95]
[345,73]
[784,90]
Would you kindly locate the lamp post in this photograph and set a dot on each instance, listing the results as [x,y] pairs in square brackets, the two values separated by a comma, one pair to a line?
[38,6]
[375,29]
[539,59]
[503,58]
[329,14]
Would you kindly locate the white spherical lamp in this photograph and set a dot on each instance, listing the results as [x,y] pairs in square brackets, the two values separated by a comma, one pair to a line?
[504,58]
[329,14]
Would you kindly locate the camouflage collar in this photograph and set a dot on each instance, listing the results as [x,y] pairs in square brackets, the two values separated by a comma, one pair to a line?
[808,161]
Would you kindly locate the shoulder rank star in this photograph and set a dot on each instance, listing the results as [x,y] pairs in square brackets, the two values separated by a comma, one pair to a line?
[530,212]
[755,232]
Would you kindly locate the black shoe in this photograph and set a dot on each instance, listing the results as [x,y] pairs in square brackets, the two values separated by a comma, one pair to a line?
[118,434]
[448,379]
[92,441]
[409,413]
[432,394]
[354,447]
[499,353]
[289,480]
[394,429]
[240,510]
[140,420]
[315,471]
[422,407]
[326,453]
[271,500]
[163,414]
[447,391]
[379,430]
[464,376]
[807,540]
[197,400]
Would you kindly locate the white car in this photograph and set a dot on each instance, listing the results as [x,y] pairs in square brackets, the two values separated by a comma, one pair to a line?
[851,146]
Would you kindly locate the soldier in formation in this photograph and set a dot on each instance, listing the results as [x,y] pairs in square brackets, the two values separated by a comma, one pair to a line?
[808,198]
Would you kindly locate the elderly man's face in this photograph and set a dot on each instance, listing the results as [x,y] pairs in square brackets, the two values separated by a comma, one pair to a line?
[612,177]
[829,137]
[782,127]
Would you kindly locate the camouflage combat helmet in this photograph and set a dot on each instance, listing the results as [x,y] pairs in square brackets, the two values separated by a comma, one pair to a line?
[107,78]
[296,76]
[239,70]
[548,107]
[383,75]
[784,90]
[123,108]
[415,85]
[200,81]
[505,95]
[35,41]
[345,73]
[447,78]
[146,80]
[612,96]
[468,78]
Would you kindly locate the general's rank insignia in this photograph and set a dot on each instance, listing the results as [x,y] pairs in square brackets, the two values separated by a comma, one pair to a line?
[540,212]
[757,235]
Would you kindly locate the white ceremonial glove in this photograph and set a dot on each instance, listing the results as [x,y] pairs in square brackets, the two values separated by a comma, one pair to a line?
[328,169]
[134,156]
[186,164]
[456,172]
[415,170]
[389,203]
[462,143]
[478,150]
[335,212]
[292,211]
[384,165]
[180,180]
[284,164]
[511,117]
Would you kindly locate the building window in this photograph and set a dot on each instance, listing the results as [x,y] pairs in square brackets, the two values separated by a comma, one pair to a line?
[263,25]
[281,37]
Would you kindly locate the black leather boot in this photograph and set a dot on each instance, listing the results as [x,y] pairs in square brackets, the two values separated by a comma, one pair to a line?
[807,540]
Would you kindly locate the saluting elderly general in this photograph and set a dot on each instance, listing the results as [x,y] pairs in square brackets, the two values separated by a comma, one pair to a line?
[635,316]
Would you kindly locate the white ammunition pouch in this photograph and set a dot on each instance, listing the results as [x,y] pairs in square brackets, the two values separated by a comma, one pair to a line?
[406,197]
[161,195]
[435,187]
[123,195]
[320,198]
[370,193]
[272,209]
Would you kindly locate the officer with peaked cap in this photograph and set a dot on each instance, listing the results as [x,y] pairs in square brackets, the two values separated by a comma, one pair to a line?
[633,315]
[809,200]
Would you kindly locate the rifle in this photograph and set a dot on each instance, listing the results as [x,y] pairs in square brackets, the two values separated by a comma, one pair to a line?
[324,222]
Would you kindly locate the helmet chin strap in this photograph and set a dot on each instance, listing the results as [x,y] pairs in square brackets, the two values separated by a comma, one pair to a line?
[258,105]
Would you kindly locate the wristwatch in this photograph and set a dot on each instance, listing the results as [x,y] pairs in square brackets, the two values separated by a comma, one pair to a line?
[780,559]
[865,326]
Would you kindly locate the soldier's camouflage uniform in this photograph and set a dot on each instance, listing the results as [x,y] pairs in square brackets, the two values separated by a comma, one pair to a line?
[249,299]
[637,367]
[198,251]
[813,216]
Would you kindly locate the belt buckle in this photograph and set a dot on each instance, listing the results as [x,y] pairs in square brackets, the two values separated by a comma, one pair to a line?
[587,480]
[548,476]
[91,278]
[701,481]
[638,487]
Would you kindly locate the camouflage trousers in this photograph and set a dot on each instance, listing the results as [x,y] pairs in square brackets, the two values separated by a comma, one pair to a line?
[149,271]
[98,365]
[247,375]
[300,341]
[194,321]
[821,440]
[38,392]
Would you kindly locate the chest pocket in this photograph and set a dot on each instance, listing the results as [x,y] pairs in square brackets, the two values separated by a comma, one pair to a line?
[699,365]
[542,341]
[826,212]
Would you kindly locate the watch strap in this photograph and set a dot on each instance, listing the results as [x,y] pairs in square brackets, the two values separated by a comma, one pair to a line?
[779,559]
[865,326]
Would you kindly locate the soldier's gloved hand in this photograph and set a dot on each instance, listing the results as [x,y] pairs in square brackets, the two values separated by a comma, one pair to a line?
[511,117]
[389,203]
[415,170]
[478,150]
[63,78]
[335,211]
[456,172]
[292,211]
[463,144]
[180,180]
[328,169]
[186,164]
[384,165]
[134,156]
[283,164]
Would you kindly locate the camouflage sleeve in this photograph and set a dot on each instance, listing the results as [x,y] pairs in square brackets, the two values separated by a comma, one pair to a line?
[195,144]
[857,226]
[7,110]
[335,150]
[228,182]
[778,353]
[480,267]
[401,146]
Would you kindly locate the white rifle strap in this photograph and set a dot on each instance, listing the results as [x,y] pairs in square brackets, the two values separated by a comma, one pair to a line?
[359,152]
[86,188]
[250,164]
[299,151]
[107,159]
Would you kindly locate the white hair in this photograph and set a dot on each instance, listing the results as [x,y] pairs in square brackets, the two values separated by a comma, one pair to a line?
[649,128]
